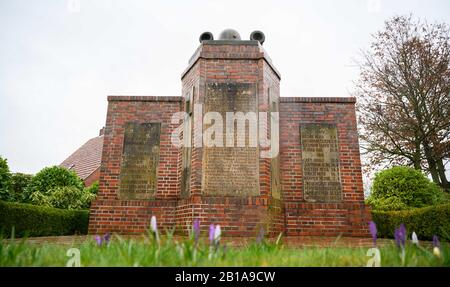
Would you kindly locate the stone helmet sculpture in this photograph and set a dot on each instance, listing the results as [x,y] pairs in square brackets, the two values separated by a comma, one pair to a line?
[232,35]
[229,34]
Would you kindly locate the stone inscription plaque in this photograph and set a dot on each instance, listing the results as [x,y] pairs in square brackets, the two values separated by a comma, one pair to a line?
[140,158]
[320,163]
[275,161]
[231,171]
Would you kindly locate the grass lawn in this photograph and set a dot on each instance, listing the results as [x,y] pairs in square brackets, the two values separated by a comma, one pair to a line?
[175,252]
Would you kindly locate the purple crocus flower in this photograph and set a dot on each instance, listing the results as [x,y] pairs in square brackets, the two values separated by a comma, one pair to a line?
[436,246]
[436,241]
[260,236]
[99,240]
[196,227]
[403,233]
[373,232]
[400,236]
[107,237]
[211,233]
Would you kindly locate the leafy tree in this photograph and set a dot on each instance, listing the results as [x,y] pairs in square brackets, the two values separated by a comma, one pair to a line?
[60,188]
[19,182]
[403,187]
[64,197]
[69,197]
[404,97]
[5,180]
[50,178]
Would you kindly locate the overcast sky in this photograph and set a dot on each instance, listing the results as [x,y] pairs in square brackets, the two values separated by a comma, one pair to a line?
[59,59]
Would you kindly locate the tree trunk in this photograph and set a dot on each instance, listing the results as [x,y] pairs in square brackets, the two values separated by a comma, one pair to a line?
[431,162]
[441,170]
[417,158]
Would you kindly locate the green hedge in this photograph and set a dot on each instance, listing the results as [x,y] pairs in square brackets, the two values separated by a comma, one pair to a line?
[426,222]
[31,220]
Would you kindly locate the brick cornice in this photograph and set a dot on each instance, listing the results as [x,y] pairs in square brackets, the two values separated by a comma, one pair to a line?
[346,100]
[144,99]
[226,50]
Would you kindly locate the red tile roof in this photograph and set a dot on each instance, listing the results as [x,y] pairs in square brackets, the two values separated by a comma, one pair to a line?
[85,160]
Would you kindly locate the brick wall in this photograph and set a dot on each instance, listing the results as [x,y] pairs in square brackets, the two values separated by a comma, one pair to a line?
[348,217]
[109,213]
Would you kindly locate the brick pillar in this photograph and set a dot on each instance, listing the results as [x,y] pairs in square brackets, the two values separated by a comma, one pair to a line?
[229,186]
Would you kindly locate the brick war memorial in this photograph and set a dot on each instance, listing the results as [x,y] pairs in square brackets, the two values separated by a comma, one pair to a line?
[231,151]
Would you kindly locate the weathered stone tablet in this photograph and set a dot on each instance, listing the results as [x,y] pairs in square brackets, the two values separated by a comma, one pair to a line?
[320,163]
[140,158]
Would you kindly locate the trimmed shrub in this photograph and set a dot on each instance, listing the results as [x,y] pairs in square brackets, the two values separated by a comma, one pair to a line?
[50,178]
[426,222]
[401,188]
[32,220]
[68,197]
[387,204]
[19,182]
[5,180]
